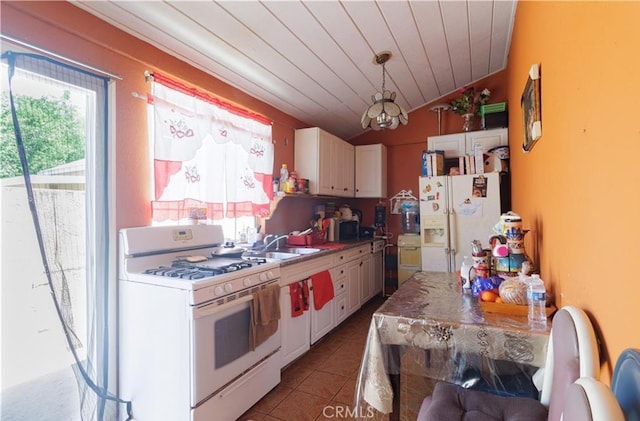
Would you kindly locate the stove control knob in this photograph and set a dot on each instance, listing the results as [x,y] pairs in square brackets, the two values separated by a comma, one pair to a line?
[218,291]
[270,275]
[263,277]
[247,282]
[228,288]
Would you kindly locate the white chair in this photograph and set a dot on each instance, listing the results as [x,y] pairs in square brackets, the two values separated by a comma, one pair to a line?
[572,353]
[588,399]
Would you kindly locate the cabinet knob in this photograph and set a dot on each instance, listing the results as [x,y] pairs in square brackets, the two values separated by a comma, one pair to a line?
[361,263]
[341,272]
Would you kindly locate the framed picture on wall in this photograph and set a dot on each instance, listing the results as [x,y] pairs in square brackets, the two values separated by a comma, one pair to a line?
[530,104]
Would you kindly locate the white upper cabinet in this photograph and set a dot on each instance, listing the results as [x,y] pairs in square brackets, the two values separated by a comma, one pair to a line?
[486,139]
[326,160]
[371,171]
[459,144]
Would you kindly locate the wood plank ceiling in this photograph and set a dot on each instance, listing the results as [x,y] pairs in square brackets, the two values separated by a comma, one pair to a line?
[314,59]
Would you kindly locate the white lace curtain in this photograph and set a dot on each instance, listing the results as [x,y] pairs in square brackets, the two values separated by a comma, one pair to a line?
[207,154]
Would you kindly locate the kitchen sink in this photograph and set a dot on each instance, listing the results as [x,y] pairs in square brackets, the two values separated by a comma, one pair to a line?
[273,255]
[300,250]
[280,255]
[283,253]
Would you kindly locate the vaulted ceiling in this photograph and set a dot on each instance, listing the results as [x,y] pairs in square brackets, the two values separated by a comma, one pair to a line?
[314,59]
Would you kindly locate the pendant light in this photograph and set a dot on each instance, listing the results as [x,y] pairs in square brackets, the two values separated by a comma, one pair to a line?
[384,113]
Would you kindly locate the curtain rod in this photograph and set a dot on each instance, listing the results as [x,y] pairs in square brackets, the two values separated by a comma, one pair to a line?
[58,56]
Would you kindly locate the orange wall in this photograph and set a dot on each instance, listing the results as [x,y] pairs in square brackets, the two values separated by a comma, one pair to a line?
[578,188]
[69,31]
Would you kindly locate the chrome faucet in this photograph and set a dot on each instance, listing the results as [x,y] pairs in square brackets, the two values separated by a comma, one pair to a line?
[276,240]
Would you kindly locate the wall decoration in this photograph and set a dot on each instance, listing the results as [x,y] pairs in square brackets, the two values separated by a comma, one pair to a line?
[531,109]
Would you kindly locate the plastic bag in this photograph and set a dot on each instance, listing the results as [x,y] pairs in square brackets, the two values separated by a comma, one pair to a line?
[484,284]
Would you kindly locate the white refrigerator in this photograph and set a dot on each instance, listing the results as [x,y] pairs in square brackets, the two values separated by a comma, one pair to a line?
[454,211]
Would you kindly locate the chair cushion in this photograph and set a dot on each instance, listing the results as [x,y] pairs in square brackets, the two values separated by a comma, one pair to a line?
[451,402]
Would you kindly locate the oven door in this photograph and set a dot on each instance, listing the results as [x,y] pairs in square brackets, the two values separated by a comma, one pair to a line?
[220,340]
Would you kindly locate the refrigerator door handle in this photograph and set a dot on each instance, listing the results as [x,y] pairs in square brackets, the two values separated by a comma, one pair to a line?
[452,240]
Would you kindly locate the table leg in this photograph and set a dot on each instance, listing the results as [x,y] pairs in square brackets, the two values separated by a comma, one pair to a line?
[394,378]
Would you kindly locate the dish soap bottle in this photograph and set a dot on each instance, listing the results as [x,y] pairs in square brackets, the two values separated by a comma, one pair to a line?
[284,177]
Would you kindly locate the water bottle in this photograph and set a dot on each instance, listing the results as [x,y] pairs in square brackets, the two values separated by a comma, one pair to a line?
[284,177]
[537,299]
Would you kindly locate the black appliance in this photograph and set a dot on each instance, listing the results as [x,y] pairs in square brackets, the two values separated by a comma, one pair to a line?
[367,232]
[348,230]
[380,217]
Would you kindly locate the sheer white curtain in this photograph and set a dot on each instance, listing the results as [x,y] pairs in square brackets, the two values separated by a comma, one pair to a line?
[207,154]
[73,235]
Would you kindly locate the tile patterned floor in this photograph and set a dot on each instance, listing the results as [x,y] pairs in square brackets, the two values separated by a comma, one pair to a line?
[320,385]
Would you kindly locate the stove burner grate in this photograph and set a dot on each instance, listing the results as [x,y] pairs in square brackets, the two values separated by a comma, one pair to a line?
[187,270]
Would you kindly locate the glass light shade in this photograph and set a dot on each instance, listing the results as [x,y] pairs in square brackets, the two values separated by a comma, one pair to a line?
[384,113]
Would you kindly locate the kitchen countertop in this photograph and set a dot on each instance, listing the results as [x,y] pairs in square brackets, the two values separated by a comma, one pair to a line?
[327,249]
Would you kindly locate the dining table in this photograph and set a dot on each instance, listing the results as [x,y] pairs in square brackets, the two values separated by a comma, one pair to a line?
[430,328]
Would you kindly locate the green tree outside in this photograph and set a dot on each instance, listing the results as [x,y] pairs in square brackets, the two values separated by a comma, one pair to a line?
[52,131]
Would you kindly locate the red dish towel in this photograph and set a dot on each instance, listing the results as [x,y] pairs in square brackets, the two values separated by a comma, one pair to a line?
[299,292]
[322,289]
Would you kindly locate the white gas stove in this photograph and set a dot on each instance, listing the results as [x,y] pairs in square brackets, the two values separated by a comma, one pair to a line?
[185,258]
[185,320]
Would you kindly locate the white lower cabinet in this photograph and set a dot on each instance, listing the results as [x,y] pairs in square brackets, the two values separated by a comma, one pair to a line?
[366,279]
[323,320]
[356,274]
[294,330]
[354,281]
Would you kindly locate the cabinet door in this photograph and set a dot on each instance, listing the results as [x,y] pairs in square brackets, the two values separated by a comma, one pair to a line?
[323,320]
[366,279]
[371,171]
[345,170]
[486,139]
[354,284]
[294,330]
[453,145]
[326,163]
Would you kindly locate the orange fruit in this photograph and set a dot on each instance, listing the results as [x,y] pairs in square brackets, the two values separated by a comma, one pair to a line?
[499,300]
[488,296]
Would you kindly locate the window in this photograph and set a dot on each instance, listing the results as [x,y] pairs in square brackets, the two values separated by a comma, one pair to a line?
[212,162]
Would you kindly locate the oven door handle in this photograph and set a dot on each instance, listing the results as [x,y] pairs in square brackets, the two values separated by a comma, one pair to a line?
[214,308]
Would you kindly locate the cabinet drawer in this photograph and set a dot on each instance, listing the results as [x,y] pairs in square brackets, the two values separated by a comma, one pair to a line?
[338,272]
[341,309]
[351,254]
[340,286]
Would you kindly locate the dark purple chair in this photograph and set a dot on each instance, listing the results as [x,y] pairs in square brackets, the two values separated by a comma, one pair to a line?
[572,353]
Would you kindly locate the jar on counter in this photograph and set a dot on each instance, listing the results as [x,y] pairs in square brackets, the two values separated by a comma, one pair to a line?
[292,185]
[303,185]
